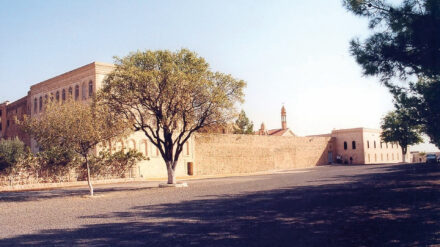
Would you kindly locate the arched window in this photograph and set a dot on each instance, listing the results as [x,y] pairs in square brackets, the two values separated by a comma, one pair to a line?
[392,145]
[90,88]
[70,92]
[187,148]
[132,144]
[381,144]
[353,145]
[41,104]
[46,98]
[57,96]
[63,95]
[374,144]
[368,144]
[345,145]
[386,145]
[143,147]
[35,105]
[83,91]
[76,92]
[51,97]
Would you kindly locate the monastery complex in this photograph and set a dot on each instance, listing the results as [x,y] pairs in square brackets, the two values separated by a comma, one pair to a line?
[210,154]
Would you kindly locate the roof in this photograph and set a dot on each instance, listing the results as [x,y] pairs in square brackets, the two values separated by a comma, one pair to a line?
[278,132]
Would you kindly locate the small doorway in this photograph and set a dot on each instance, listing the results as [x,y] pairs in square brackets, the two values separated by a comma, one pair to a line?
[330,157]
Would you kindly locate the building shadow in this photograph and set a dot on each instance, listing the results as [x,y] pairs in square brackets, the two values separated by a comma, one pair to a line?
[397,208]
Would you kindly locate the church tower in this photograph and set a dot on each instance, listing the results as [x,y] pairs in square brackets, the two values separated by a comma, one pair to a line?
[283,118]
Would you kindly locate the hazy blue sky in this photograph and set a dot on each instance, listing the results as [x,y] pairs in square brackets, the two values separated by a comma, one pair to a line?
[291,52]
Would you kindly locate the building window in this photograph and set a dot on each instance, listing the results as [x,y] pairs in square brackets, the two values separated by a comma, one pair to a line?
[143,147]
[345,145]
[46,99]
[392,145]
[41,104]
[374,144]
[63,95]
[381,145]
[70,92]
[368,144]
[83,91]
[386,145]
[90,88]
[353,145]
[76,92]
[35,105]
[57,96]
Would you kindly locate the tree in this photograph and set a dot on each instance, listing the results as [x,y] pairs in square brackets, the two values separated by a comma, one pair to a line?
[169,96]
[243,125]
[75,126]
[398,126]
[405,46]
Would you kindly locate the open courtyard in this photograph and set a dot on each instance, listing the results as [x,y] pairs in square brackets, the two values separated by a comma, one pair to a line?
[370,205]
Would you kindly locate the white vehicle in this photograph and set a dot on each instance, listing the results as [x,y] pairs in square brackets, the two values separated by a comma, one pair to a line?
[431,158]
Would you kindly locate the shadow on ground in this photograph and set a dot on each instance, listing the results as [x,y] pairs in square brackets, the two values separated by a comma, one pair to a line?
[44,194]
[397,208]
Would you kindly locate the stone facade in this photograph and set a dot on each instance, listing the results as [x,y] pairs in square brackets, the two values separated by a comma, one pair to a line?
[211,154]
[227,154]
[81,84]
[364,146]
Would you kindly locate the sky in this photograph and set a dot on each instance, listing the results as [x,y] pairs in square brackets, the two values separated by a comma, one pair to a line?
[292,53]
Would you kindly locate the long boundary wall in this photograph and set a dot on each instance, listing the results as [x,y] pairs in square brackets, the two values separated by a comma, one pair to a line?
[227,153]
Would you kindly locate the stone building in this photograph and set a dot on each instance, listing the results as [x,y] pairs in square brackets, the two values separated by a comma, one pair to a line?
[363,146]
[81,84]
[213,153]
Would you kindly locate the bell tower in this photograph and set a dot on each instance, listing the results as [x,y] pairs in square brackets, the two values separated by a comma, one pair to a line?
[283,118]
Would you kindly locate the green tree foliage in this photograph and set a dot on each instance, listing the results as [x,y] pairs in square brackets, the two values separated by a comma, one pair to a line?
[243,125]
[74,126]
[398,126]
[117,163]
[169,96]
[11,152]
[405,46]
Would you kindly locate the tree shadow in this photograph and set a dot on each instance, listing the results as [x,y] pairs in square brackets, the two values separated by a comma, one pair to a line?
[44,194]
[396,208]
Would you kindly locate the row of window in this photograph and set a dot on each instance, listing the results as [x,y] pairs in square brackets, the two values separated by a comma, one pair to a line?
[382,157]
[143,147]
[38,104]
[353,145]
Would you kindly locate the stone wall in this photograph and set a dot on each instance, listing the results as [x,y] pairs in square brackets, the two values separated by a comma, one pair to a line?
[227,153]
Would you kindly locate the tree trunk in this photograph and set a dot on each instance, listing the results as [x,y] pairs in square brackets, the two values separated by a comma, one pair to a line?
[88,178]
[404,154]
[171,173]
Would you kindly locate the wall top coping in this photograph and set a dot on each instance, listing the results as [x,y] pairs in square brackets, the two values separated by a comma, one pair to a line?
[17,102]
[360,129]
[90,66]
